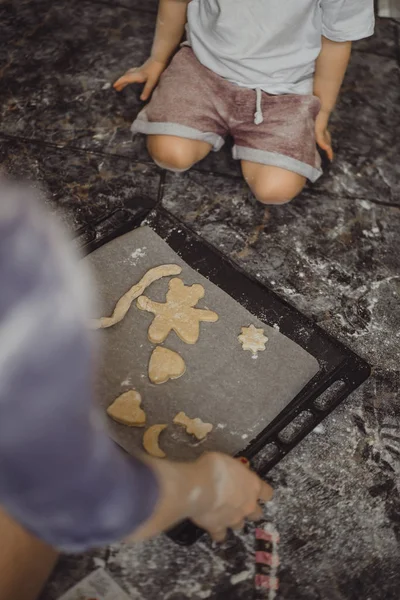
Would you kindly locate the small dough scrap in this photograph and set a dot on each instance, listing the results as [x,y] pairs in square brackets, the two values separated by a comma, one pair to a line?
[126,409]
[125,302]
[194,426]
[178,313]
[253,339]
[165,364]
[150,441]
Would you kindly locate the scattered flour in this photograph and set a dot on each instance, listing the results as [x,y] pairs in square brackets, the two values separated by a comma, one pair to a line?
[99,562]
[371,234]
[235,579]
[319,429]
[137,255]
[365,205]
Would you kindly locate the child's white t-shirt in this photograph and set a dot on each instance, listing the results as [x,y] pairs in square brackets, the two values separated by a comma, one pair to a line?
[272,44]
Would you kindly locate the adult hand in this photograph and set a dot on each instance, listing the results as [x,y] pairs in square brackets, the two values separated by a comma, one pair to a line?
[322,134]
[231,494]
[216,491]
[149,74]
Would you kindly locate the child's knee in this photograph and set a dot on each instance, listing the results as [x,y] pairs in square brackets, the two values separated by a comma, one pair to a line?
[170,153]
[272,196]
[269,191]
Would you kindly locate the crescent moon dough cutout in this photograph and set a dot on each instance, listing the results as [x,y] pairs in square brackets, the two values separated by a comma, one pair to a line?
[125,302]
[126,409]
[165,364]
[150,441]
[194,426]
[178,313]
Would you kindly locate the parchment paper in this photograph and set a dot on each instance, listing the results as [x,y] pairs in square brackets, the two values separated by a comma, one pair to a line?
[223,385]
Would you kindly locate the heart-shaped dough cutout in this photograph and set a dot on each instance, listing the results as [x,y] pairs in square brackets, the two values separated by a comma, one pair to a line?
[164,365]
[126,409]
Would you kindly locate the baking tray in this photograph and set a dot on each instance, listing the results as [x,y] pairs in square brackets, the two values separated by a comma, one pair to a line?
[239,393]
[340,372]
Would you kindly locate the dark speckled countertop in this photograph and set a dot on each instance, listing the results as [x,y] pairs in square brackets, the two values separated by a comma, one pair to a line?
[334,253]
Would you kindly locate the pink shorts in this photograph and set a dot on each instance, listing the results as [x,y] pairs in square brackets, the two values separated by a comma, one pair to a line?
[193,102]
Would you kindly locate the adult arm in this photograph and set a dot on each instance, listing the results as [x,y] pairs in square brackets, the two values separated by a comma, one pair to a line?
[25,561]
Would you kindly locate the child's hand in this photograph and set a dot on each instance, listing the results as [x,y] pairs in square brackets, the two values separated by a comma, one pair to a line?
[322,135]
[149,74]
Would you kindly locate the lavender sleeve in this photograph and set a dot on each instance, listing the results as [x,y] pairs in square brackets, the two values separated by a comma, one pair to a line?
[60,475]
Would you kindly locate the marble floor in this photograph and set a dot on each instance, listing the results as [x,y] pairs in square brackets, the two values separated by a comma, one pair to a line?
[334,253]
[389,8]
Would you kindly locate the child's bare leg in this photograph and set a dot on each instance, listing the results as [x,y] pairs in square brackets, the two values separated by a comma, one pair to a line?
[25,561]
[272,185]
[176,153]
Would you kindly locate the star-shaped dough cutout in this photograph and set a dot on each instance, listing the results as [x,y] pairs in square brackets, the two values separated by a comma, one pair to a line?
[253,339]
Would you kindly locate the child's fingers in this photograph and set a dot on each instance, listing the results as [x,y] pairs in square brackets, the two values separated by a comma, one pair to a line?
[328,149]
[131,76]
[326,146]
[148,88]
[119,85]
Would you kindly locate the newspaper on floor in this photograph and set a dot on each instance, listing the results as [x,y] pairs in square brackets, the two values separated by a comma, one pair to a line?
[96,586]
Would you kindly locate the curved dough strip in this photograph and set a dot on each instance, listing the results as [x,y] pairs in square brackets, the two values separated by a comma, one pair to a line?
[195,426]
[125,302]
[150,441]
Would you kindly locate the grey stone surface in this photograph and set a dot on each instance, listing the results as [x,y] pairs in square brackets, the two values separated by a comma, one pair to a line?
[327,255]
[333,252]
[56,79]
[81,187]
[384,42]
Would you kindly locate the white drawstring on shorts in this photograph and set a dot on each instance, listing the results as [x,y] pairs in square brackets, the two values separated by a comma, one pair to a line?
[258,116]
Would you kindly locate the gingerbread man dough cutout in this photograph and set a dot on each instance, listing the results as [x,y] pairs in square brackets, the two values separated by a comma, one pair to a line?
[178,313]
